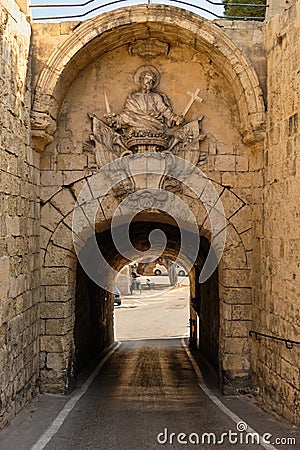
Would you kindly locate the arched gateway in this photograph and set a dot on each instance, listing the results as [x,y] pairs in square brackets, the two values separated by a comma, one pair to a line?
[205,106]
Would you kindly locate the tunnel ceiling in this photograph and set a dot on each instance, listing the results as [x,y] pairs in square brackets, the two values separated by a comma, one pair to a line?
[139,232]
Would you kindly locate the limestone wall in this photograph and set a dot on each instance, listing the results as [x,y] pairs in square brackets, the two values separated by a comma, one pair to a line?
[276,7]
[249,37]
[19,225]
[278,309]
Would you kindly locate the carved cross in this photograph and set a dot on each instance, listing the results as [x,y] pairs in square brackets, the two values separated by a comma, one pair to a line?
[194,97]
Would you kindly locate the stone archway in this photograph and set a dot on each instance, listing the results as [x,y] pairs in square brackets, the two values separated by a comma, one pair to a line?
[59,343]
[93,322]
[233,111]
[93,327]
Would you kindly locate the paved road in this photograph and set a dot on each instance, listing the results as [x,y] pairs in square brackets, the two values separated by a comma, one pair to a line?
[149,315]
[146,391]
[145,388]
[145,395]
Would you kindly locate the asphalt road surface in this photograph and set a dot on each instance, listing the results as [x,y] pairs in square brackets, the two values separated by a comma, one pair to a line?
[145,396]
[146,388]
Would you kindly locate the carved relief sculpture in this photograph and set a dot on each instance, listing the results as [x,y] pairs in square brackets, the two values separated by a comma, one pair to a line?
[149,48]
[147,114]
[146,124]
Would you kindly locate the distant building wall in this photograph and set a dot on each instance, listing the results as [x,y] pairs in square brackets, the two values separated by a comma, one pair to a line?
[276,7]
[123,282]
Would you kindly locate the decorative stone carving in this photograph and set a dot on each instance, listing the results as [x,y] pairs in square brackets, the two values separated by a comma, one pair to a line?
[42,130]
[149,48]
[147,124]
[146,199]
[147,115]
[120,170]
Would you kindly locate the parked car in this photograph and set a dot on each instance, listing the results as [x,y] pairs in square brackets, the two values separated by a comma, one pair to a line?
[159,269]
[181,272]
[117,296]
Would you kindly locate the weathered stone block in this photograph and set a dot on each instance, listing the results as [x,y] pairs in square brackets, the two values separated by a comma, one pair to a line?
[63,236]
[241,312]
[290,373]
[242,163]
[46,162]
[54,344]
[50,217]
[57,276]
[58,257]
[55,310]
[225,163]
[232,362]
[17,286]
[235,258]
[58,326]
[56,361]
[4,268]
[50,178]
[231,203]
[44,237]
[236,278]
[47,192]
[71,177]
[71,162]
[59,293]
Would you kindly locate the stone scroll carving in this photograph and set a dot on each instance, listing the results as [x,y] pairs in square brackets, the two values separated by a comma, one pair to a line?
[147,124]
[149,48]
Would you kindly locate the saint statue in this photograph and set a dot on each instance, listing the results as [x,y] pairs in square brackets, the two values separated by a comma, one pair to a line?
[147,113]
[146,124]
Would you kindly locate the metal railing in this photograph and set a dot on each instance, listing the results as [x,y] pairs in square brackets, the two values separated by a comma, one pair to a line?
[289,343]
[84,9]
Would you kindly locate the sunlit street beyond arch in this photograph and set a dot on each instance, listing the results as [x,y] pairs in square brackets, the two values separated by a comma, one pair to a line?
[152,314]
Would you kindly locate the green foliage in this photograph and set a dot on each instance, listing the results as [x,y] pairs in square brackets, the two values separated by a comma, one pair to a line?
[244,11]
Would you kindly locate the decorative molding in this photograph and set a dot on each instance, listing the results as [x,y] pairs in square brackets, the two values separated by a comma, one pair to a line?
[149,48]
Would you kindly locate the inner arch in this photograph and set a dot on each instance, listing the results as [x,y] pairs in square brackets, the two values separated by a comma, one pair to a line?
[94,326]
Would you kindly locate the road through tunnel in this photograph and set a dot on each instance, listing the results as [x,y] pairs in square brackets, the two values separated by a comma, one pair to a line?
[94,315]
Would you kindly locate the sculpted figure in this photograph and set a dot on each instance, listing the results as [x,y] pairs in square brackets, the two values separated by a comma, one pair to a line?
[146,111]
[146,124]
